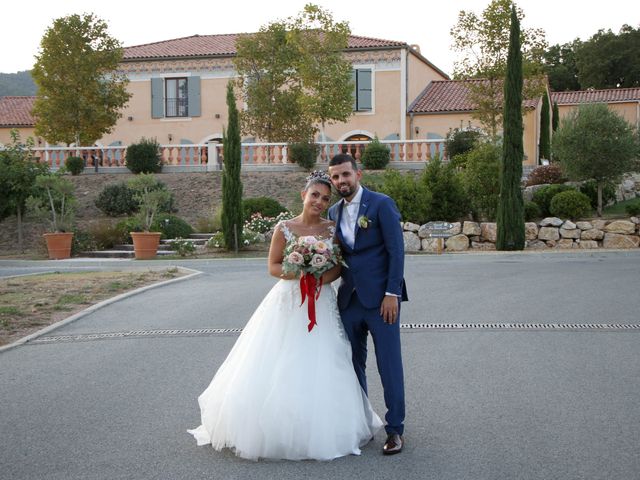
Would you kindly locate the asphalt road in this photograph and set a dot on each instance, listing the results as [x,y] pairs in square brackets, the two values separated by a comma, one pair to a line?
[507,375]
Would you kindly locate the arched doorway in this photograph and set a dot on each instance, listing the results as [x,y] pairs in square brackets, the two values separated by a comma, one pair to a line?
[356,150]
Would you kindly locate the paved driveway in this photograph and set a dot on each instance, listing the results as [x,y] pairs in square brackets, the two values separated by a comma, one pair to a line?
[519,366]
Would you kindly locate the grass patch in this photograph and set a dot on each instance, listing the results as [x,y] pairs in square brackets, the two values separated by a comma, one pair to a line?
[31,302]
[618,209]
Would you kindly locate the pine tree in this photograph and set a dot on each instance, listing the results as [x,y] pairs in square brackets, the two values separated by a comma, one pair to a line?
[545,125]
[231,184]
[511,206]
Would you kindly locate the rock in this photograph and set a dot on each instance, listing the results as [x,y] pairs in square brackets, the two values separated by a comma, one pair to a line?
[548,233]
[599,224]
[621,226]
[616,240]
[629,195]
[489,231]
[431,244]
[635,220]
[471,229]
[551,222]
[570,233]
[456,229]
[411,227]
[565,243]
[411,242]
[593,234]
[530,231]
[629,185]
[584,225]
[457,243]
[568,225]
[535,245]
[483,246]
[551,243]
[475,238]
[587,244]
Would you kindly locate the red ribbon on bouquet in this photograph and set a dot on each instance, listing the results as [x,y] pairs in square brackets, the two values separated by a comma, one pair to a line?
[310,288]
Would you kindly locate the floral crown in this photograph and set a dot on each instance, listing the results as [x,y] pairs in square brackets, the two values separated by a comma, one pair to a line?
[319,176]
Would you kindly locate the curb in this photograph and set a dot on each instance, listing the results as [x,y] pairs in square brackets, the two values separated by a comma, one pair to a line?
[97,306]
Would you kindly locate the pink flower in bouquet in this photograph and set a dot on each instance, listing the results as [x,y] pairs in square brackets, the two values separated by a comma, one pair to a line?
[308,240]
[295,258]
[318,260]
[321,247]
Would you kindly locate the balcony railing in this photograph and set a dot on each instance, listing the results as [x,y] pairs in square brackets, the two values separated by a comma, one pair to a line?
[199,157]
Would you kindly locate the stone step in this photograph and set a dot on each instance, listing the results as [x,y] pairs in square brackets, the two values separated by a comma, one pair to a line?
[195,241]
[129,248]
[205,236]
[120,253]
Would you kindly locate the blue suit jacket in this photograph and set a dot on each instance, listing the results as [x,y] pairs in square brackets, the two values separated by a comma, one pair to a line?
[376,261]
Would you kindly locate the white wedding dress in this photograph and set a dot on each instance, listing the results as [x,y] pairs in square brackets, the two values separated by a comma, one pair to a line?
[284,392]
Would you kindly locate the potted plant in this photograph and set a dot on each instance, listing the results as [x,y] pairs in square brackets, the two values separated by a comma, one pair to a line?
[55,202]
[150,200]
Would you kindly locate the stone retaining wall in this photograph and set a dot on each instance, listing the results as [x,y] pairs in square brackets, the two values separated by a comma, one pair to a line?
[551,232]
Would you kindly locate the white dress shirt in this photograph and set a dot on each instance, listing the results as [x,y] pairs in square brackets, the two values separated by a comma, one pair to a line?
[349,217]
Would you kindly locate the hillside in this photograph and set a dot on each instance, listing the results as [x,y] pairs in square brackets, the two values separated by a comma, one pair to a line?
[17,84]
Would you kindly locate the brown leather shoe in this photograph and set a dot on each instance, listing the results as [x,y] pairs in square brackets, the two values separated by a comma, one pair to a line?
[393,444]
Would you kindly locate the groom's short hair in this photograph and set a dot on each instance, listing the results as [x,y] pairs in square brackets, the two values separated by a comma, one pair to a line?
[341,158]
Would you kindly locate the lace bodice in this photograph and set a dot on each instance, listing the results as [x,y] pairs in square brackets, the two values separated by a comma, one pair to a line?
[326,233]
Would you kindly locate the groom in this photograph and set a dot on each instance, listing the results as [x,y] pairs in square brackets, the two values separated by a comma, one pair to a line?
[372,287]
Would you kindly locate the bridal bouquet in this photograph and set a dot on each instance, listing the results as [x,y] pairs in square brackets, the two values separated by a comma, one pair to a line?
[309,258]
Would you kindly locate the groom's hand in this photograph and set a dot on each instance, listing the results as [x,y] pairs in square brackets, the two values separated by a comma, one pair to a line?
[389,309]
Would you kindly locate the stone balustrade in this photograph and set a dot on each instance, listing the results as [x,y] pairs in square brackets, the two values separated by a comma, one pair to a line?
[551,232]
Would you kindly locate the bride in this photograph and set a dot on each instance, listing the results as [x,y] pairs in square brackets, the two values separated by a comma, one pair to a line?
[285,392]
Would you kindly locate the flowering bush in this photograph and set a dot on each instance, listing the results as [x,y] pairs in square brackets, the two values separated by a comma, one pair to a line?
[183,247]
[262,224]
[545,174]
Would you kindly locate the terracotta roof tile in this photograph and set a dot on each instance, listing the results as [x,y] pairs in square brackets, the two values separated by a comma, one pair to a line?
[16,112]
[223,45]
[447,96]
[596,96]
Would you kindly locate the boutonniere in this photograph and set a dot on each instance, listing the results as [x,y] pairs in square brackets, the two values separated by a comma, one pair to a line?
[363,221]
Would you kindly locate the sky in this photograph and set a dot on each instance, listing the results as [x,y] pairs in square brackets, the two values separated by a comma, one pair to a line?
[425,23]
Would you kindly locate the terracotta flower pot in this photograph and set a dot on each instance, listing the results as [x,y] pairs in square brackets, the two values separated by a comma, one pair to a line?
[59,245]
[145,244]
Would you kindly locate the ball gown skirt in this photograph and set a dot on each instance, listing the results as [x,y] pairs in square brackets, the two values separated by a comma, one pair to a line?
[284,392]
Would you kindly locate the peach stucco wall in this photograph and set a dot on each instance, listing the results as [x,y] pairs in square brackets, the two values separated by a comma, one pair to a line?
[433,125]
[419,76]
[194,129]
[630,111]
[24,132]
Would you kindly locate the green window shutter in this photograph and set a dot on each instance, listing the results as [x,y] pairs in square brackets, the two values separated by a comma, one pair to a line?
[157,98]
[193,88]
[364,89]
[354,80]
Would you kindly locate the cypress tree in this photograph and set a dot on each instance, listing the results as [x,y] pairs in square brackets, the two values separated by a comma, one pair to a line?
[231,184]
[545,125]
[510,217]
[555,121]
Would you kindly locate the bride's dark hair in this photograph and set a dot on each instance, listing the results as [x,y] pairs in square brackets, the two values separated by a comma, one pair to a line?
[317,176]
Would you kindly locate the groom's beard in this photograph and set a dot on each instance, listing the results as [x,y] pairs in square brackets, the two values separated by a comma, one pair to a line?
[347,192]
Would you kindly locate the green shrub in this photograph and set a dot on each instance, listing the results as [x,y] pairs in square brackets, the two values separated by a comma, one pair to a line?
[144,156]
[171,226]
[633,208]
[82,241]
[304,154]
[107,235]
[210,224]
[167,205]
[267,206]
[376,156]
[117,199]
[590,189]
[481,180]
[127,225]
[371,180]
[411,195]
[183,247]
[74,165]
[459,141]
[531,211]
[544,174]
[448,200]
[545,194]
[570,204]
